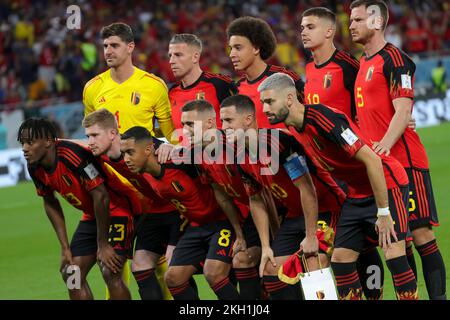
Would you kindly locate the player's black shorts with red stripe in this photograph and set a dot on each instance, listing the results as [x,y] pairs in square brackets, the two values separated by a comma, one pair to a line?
[291,233]
[251,233]
[356,226]
[422,207]
[155,231]
[213,241]
[84,240]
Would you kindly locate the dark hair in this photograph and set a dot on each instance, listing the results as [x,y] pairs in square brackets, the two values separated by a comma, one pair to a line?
[197,105]
[137,133]
[189,39]
[242,103]
[120,29]
[320,12]
[379,3]
[37,128]
[257,31]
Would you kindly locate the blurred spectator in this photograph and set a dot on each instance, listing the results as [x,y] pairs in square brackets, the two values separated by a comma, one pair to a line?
[438,78]
[3,135]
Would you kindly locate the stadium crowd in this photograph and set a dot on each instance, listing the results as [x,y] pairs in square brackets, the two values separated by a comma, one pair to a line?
[41,59]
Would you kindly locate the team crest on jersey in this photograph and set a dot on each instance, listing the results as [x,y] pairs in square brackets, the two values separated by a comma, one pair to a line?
[369,73]
[177,186]
[327,81]
[135,98]
[200,95]
[67,180]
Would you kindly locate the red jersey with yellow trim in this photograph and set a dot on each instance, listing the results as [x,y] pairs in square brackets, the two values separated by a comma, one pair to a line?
[211,87]
[74,174]
[382,78]
[182,186]
[250,89]
[152,202]
[331,141]
[329,195]
[332,83]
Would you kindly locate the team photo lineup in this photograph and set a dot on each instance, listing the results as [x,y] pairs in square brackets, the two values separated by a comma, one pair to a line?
[265,183]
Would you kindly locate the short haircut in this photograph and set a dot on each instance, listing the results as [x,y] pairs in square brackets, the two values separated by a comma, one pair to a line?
[277,81]
[320,12]
[199,106]
[138,134]
[379,3]
[257,31]
[120,29]
[242,103]
[102,117]
[37,128]
[188,38]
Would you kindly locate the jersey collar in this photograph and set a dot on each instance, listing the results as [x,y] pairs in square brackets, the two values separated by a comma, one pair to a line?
[261,76]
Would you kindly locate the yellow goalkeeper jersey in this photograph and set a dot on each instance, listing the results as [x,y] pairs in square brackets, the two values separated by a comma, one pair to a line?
[135,102]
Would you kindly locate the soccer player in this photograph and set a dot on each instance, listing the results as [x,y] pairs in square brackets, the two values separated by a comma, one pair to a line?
[134,96]
[219,169]
[158,231]
[192,82]
[106,228]
[252,42]
[209,238]
[295,192]
[330,79]
[333,141]
[384,93]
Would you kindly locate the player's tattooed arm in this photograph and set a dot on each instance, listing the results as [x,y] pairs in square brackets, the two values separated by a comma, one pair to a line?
[56,216]
[261,219]
[232,212]
[106,254]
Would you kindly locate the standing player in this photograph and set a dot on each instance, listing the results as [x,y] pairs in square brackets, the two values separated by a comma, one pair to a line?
[134,96]
[384,94]
[157,230]
[330,79]
[194,83]
[70,170]
[210,237]
[333,141]
[252,42]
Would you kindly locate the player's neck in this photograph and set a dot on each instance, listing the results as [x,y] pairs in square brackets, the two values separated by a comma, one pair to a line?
[192,76]
[48,161]
[123,72]
[114,152]
[153,167]
[255,69]
[297,117]
[323,53]
[375,44]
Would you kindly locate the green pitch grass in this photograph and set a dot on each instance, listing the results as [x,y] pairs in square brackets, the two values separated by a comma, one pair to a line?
[30,253]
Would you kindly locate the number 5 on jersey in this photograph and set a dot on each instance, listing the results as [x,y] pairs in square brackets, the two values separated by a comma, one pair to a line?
[359,97]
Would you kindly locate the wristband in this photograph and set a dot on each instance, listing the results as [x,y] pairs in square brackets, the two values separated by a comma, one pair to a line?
[383,212]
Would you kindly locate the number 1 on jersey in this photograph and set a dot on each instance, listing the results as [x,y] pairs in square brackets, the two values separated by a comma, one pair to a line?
[117,118]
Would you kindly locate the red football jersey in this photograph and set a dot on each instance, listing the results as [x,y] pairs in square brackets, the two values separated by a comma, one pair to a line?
[182,186]
[211,87]
[331,141]
[74,174]
[329,195]
[250,89]
[332,83]
[383,77]
[152,202]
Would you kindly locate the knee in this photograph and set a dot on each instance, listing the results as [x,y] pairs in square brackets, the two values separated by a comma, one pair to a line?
[242,260]
[423,235]
[142,261]
[342,255]
[216,273]
[171,278]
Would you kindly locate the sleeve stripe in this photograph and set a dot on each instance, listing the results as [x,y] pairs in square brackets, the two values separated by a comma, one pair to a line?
[294,76]
[322,121]
[157,79]
[69,155]
[218,76]
[343,56]
[395,55]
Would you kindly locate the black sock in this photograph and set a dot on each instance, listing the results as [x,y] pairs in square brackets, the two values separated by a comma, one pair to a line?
[225,290]
[149,288]
[368,258]
[249,283]
[183,292]
[404,281]
[433,270]
[347,281]
[411,260]
[193,284]
[278,290]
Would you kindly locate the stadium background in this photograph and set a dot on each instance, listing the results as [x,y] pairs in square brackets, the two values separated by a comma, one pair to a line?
[44,65]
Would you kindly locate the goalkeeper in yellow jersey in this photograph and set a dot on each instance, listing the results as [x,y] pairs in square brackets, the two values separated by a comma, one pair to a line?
[136,98]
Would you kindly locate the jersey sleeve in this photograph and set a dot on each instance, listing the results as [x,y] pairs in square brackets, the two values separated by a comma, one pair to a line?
[42,189]
[350,70]
[225,87]
[336,128]
[88,96]
[251,186]
[163,111]
[399,69]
